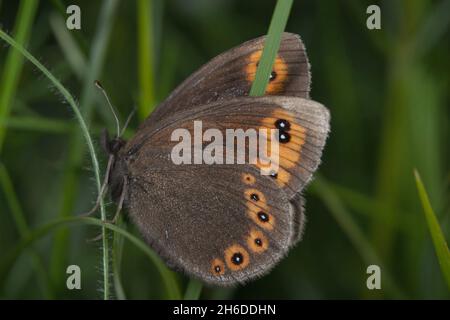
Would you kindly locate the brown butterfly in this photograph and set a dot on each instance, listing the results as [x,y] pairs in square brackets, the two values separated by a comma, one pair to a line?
[224,223]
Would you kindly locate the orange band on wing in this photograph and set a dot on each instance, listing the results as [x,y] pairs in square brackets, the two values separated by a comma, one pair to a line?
[289,152]
[278,76]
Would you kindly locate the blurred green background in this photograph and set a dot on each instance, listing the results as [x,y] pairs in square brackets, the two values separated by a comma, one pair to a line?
[387,90]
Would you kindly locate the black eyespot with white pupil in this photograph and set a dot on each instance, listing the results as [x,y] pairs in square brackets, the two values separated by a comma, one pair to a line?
[273,76]
[258,242]
[273,174]
[237,258]
[254,197]
[284,137]
[282,124]
[264,217]
[217,269]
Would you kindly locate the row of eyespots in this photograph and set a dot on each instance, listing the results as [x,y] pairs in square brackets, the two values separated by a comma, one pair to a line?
[291,137]
[236,256]
[257,242]
[248,179]
[257,209]
[257,205]
[283,126]
[217,267]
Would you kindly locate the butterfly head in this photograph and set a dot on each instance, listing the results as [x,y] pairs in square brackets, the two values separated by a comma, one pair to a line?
[111,146]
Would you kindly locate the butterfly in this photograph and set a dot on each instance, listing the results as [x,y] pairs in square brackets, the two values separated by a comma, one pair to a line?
[224,224]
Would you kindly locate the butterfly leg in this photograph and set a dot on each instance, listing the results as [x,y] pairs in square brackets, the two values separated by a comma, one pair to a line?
[102,189]
[121,200]
[118,210]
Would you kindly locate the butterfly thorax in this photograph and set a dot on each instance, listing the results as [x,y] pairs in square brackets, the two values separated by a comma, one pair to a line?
[117,176]
[118,168]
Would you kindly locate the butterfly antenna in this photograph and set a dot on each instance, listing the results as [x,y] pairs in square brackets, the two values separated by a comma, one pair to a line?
[128,121]
[100,87]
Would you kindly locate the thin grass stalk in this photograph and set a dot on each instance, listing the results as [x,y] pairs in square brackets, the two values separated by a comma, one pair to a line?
[75,157]
[71,102]
[171,285]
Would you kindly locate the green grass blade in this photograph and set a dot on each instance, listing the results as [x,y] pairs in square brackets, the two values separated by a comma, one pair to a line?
[75,156]
[433,29]
[37,124]
[168,277]
[193,290]
[68,45]
[117,252]
[369,207]
[13,202]
[71,102]
[440,245]
[271,46]
[145,58]
[326,193]
[23,229]
[60,88]
[75,57]
[14,61]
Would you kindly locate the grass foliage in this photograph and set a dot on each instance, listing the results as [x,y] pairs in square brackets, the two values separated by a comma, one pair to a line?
[387,91]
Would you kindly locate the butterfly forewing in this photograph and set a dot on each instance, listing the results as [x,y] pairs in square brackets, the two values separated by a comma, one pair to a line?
[231,74]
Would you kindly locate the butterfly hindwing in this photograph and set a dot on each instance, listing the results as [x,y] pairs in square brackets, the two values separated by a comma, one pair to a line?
[225,223]
[201,223]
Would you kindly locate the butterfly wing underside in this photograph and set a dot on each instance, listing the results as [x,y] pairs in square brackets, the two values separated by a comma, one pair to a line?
[225,223]
[231,74]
